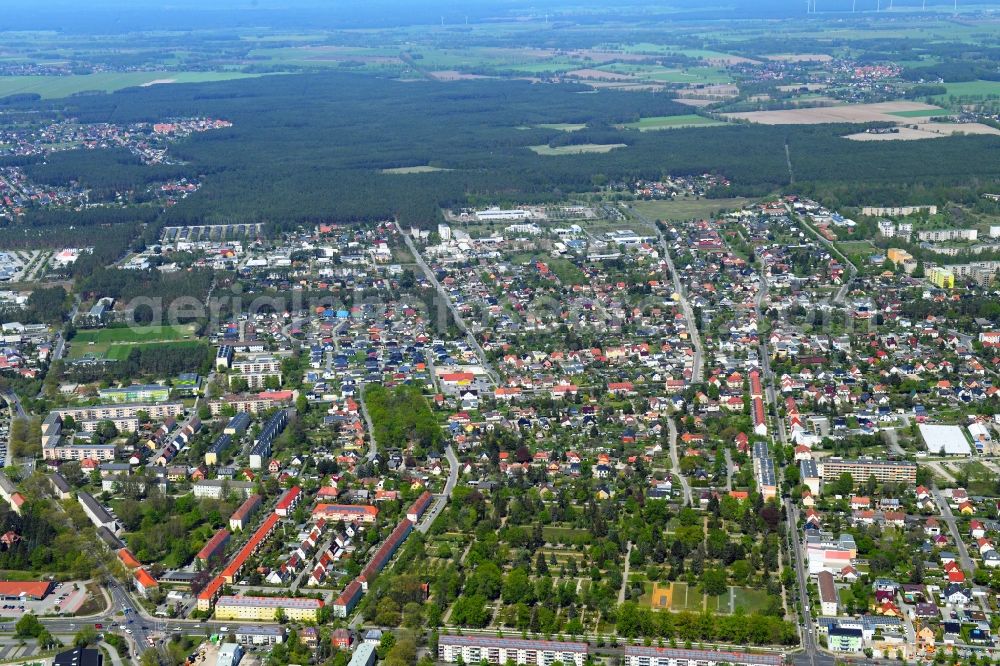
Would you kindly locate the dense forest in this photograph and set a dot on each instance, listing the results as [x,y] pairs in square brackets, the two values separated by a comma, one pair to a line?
[105,173]
[311,147]
[125,285]
[48,305]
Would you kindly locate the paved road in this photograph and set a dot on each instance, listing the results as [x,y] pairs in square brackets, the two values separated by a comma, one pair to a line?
[440,501]
[16,403]
[60,346]
[852,270]
[730,468]
[487,366]
[810,655]
[676,463]
[697,364]
[949,519]
[372,444]
[808,633]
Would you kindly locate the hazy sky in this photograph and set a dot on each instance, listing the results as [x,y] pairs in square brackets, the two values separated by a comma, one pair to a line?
[110,16]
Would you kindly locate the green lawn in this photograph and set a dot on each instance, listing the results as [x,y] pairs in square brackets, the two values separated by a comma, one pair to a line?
[62,86]
[672,122]
[565,535]
[750,599]
[982,481]
[686,209]
[686,598]
[577,149]
[719,604]
[566,271]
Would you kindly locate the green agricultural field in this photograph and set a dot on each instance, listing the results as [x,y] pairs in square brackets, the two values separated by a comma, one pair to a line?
[672,122]
[660,74]
[543,67]
[577,149]
[63,86]
[686,209]
[918,113]
[977,89]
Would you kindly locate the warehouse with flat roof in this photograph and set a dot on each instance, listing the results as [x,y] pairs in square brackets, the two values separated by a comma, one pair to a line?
[947,440]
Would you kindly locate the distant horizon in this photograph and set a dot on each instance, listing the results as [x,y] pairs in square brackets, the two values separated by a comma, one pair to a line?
[118,16]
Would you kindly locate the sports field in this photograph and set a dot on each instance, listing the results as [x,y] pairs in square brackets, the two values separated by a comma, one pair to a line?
[115,343]
[63,86]
[683,597]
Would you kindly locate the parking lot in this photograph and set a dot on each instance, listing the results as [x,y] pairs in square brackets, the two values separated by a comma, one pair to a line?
[65,599]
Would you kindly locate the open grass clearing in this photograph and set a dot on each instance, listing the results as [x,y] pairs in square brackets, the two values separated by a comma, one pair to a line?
[751,600]
[672,122]
[577,149]
[426,168]
[660,74]
[566,535]
[563,127]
